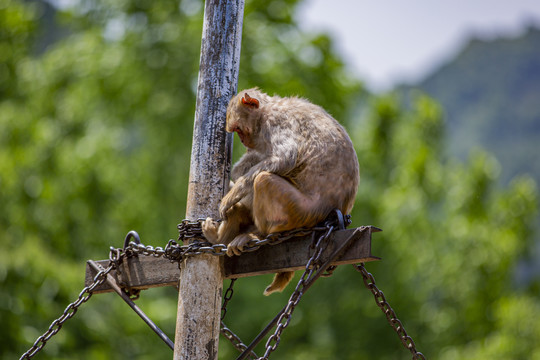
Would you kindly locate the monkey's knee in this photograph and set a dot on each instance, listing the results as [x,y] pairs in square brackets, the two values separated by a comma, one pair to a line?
[270,201]
[278,205]
[265,180]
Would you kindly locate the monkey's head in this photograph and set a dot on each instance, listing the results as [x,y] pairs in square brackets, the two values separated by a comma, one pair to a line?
[243,116]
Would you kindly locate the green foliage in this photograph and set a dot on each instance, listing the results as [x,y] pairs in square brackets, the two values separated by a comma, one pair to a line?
[95,141]
[452,239]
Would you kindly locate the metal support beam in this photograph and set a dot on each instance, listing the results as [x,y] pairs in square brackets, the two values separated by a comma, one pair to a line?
[114,286]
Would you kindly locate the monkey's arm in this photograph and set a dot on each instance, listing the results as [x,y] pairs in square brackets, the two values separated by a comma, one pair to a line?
[246,162]
[281,161]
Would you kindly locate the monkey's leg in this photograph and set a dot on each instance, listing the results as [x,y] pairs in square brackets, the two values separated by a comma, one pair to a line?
[238,218]
[278,206]
[281,280]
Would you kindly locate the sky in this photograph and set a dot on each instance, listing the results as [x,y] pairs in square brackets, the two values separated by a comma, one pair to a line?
[394,41]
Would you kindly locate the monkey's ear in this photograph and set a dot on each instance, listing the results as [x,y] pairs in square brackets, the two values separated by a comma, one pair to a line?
[249,101]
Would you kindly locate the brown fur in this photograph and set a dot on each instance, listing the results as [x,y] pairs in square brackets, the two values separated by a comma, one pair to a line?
[300,164]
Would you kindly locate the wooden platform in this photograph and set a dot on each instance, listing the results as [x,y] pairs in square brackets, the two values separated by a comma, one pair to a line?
[143,272]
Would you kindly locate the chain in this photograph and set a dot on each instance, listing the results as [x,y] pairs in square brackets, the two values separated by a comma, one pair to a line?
[277,238]
[391,316]
[226,298]
[71,309]
[236,341]
[312,267]
[329,271]
[225,331]
[191,230]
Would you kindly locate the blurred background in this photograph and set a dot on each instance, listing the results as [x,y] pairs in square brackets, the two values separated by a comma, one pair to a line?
[442,102]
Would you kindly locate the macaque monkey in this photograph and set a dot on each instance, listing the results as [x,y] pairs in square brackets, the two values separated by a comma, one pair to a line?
[300,164]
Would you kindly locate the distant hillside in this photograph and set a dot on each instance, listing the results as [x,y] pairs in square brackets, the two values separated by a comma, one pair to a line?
[491,95]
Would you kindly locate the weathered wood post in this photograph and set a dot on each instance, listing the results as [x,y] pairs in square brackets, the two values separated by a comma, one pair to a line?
[201,277]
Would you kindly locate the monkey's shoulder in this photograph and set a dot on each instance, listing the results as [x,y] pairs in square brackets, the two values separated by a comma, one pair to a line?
[300,114]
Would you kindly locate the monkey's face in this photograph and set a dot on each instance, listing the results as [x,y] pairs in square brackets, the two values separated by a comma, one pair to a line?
[242,114]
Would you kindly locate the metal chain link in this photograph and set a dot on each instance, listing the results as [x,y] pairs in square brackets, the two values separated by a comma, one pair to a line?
[277,238]
[236,341]
[312,267]
[225,331]
[406,340]
[226,298]
[191,230]
[70,310]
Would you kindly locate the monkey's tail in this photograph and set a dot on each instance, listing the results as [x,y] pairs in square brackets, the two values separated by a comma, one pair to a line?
[281,279]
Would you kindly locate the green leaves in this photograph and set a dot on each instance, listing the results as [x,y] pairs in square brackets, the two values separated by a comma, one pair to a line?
[450,239]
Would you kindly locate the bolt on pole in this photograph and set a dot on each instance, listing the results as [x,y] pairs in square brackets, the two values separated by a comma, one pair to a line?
[201,277]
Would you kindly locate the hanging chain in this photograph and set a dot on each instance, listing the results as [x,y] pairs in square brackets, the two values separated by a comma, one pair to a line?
[225,331]
[226,298]
[307,277]
[236,341]
[191,231]
[72,308]
[391,316]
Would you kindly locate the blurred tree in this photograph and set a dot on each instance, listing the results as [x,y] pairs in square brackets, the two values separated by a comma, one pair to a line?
[451,239]
[95,141]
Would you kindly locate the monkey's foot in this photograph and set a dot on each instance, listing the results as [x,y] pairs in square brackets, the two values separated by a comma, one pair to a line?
[281,279]
[236,247]
[210,230]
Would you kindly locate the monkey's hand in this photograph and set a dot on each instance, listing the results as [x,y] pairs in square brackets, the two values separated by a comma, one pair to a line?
[236,247]
[233,196]
[250,159]
[210,230]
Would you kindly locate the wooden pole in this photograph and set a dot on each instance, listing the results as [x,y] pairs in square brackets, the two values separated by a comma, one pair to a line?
[201,277]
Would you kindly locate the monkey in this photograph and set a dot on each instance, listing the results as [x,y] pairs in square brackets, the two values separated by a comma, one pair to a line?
[299,165]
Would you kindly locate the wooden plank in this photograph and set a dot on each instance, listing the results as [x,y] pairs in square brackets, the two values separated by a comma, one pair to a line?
[138,272]
[143,272]
[294,254]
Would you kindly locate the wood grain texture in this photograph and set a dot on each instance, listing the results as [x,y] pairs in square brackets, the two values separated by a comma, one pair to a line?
[294,254]
[201,279]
